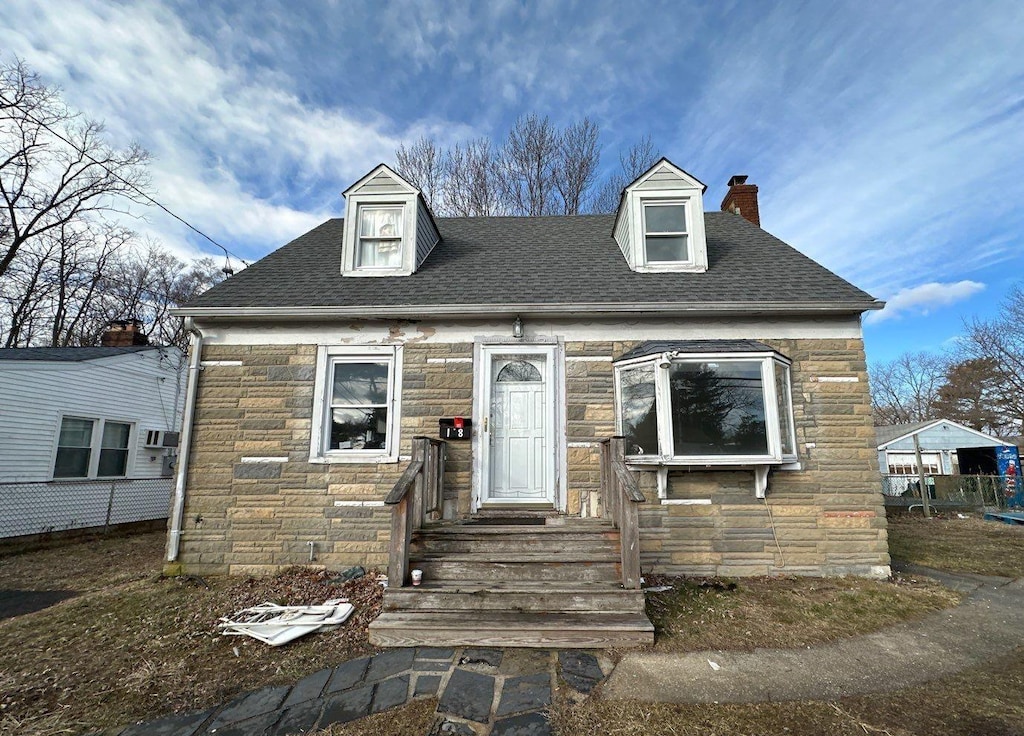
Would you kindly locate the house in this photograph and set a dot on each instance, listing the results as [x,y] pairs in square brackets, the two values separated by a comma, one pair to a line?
[87,434]
[394,389]
[946,448]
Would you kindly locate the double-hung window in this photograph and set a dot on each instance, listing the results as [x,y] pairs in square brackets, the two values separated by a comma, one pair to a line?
[355,404]
[379,244]
[92,448]
[706,409]
[666,237]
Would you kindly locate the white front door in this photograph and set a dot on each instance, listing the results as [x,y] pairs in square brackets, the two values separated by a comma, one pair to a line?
[519,435]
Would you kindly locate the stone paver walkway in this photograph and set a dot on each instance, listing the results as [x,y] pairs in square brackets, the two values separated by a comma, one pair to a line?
[481,692]
[495,692]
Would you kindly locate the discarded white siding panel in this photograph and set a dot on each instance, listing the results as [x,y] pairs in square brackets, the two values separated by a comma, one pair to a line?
[136,387]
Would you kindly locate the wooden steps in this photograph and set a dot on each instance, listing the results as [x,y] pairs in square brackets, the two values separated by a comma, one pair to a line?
[512,629]
[509,582]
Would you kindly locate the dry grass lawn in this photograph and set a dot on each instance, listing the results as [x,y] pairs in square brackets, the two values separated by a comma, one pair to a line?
[958,545]
[140,646]
[984,701]
[750,613]
[134,645]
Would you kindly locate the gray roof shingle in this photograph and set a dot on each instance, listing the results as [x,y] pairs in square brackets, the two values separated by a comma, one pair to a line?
[69,355]
[541,261]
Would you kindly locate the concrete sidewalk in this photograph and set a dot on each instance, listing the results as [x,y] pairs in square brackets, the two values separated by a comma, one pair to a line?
[986,625]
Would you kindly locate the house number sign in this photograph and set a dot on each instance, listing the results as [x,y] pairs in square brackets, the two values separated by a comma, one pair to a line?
[455,428]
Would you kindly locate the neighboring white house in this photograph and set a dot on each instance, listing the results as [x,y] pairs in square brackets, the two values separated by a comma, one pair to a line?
[88,435]
[938,440]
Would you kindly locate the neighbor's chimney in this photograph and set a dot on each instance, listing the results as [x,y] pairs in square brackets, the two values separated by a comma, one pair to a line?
[741,199]
[124,333]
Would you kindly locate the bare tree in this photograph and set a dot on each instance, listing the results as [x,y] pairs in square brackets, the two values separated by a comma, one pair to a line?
[1000,343]
[422,164]
[528,162]
[579,154]
[905,389]
[55,168]
[471,185]
[634,161]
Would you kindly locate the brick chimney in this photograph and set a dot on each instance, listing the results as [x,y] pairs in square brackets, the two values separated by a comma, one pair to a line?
[123,333]
[741,199]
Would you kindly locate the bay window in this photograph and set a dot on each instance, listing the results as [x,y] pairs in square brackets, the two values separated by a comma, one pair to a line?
[706,408]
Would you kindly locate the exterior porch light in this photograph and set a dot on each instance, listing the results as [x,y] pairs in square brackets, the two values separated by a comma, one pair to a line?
[517,328]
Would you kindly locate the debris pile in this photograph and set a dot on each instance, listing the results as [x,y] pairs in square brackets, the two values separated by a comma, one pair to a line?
[276,625]
[301,586]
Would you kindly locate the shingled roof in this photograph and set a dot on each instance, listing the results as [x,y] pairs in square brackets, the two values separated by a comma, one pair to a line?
[541,262]
[70,355]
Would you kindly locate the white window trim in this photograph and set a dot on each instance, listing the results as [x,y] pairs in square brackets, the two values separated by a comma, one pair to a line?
[318,452]
[666,440]
[408,204]
[95,445]
[685,232]
[696,242]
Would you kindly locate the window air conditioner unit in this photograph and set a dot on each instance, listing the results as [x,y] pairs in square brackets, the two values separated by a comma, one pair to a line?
[158,438]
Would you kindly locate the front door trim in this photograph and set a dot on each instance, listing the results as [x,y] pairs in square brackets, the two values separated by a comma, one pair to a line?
[484,349]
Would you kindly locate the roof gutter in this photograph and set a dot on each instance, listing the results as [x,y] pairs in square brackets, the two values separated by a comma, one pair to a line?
[181,471]
[419,311]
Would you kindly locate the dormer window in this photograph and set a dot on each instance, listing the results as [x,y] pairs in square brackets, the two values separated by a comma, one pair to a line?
[660,222]
[380,237]
[665,232]
[389,230]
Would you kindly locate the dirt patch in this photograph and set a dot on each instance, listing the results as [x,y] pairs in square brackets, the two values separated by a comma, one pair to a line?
[748,613]
[958,545]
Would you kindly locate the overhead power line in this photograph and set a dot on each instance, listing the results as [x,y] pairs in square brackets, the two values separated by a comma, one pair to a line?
[139,191]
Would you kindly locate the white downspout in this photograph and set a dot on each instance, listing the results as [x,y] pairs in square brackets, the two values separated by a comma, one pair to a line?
[181,471]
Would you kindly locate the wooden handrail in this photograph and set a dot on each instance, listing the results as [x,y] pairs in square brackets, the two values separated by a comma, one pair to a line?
[424,476]
[620,493]
[404,482]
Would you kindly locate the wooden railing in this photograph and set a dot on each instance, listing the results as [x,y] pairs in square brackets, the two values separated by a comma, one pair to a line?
[417,497]
[619,496]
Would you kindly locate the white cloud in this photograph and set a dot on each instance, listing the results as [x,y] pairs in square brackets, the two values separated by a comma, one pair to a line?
[924,298]
[235,150]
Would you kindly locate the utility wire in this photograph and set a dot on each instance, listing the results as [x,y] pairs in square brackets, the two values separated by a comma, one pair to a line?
[121,179]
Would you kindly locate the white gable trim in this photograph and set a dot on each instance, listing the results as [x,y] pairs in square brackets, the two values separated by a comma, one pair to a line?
[665,165]
[949,423]
[382,168]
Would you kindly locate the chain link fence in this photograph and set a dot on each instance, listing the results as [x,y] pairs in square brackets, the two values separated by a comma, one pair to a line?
[57,506]
[978,492]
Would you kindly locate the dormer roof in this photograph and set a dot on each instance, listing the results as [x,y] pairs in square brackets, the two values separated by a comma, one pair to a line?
[659,225]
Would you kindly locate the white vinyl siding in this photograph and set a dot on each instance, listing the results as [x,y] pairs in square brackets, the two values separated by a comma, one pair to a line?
[137,388]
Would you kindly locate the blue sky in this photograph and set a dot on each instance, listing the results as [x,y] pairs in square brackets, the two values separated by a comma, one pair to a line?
[887,139]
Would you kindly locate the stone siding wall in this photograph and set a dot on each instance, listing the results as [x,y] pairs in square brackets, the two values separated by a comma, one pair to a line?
[826,519]
[245,517]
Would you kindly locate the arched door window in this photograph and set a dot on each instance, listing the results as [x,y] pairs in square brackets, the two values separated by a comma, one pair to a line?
[519,371]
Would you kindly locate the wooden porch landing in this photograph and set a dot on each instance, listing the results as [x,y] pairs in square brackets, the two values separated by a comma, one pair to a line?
[515,584]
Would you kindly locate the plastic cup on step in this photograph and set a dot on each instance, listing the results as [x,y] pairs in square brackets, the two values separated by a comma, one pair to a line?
[417,577]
